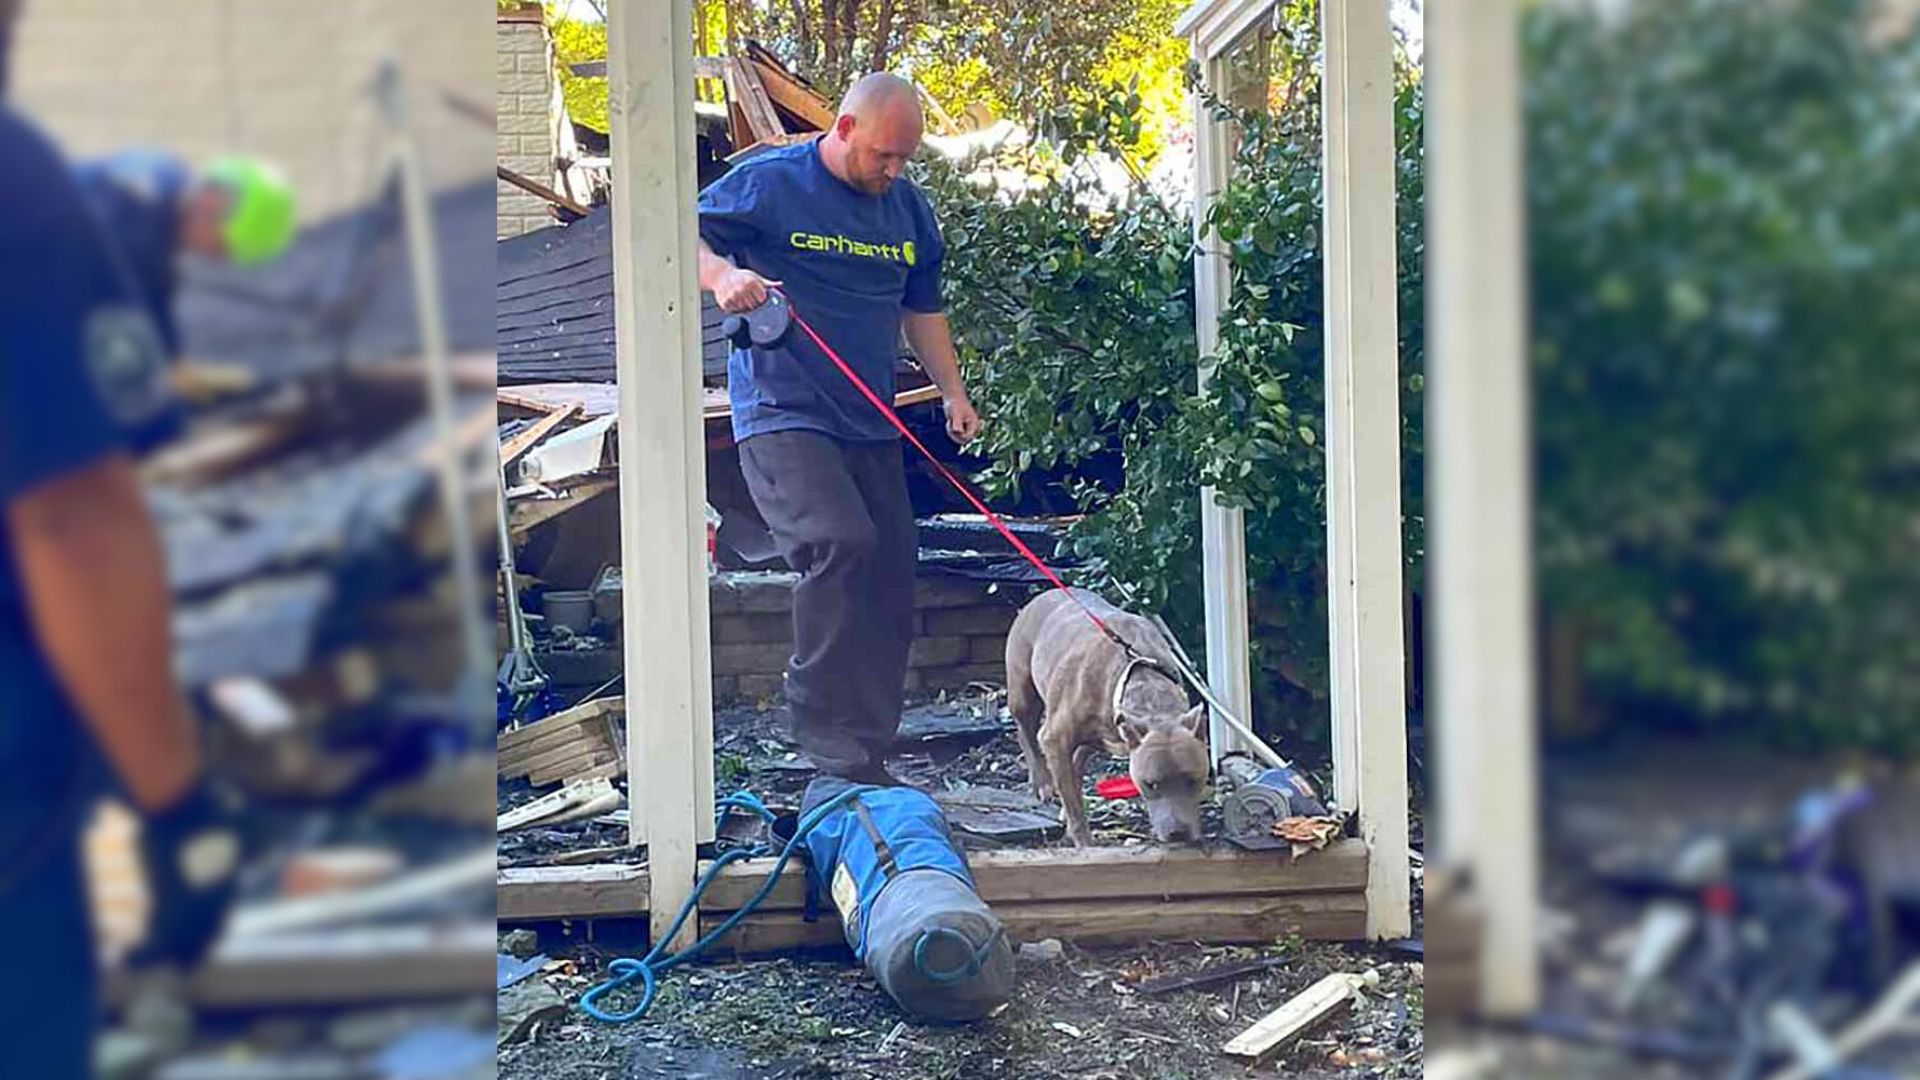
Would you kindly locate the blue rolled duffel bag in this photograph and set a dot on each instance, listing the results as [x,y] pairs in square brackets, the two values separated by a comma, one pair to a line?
[887,862]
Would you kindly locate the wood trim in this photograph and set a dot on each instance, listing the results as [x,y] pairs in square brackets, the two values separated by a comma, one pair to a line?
[608,890]
[1340,916]
[1095,874]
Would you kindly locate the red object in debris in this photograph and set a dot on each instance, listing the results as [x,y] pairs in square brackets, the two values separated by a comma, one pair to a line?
[1720,899]
[1117,787]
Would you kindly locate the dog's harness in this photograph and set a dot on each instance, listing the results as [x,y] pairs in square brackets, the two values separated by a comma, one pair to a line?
[1134,660]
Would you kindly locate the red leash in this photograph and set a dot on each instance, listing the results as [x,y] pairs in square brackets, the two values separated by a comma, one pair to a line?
[959,485]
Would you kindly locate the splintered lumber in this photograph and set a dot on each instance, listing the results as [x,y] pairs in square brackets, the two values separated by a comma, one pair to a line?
[541,428]
[745,92]
[375,901]
[539,190]
[353,966]
[533,893]
[564,745]
[587,799]
[1309,1007]
[791,96]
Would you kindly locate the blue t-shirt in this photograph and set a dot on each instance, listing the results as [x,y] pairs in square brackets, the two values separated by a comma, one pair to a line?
[851,262]
[80,364]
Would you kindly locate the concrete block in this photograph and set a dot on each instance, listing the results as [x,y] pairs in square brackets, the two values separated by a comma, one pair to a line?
[937,652]
[752,592]
[946,592]
[967,622]
[532,63]
[745,629]
[517,124]
[750,659]
[523,82]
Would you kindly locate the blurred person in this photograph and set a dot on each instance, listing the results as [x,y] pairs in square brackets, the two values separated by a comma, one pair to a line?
[85,657]
[158,212]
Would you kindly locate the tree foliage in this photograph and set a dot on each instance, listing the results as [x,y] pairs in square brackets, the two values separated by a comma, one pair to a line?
[1726,258]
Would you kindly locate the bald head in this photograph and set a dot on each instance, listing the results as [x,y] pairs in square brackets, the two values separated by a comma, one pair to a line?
[878,129]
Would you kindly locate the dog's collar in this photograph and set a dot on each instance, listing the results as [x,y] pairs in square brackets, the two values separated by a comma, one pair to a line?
[1120,684]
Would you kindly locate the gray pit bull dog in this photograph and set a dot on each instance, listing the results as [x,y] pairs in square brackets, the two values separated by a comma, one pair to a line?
[1073,691]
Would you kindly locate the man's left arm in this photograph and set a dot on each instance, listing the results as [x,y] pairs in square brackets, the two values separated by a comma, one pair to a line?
[931,339]
[928,333]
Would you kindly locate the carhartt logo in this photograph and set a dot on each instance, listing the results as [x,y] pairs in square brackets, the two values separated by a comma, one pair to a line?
[847,245]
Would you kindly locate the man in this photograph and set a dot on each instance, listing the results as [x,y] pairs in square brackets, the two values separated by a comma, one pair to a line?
[157,212]
[854,245]
[85,660]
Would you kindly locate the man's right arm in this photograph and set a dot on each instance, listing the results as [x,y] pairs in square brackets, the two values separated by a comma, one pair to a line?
[734,288]
[96,589]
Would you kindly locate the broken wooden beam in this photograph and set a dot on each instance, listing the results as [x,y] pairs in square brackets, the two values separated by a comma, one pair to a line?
[539,190]
[526,440]
[1301,1013]
[535,893]
[586,799]
[358,966]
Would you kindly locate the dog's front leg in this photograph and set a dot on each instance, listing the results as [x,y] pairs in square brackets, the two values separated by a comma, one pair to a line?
[1065,767]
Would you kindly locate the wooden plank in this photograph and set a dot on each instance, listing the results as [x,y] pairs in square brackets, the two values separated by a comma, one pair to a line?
[566,719]
[510,452]
[1480,487]
[1088,874]
[559,745]
[800,102]
[539,190]
[1310,1007]
[311,912]
[529,514]
[571,803]
[669,668]
[213,455]
[778,140]
[573,769]
[358,966]
[1365,615]
[1227,920]
[744,90]
[528,894]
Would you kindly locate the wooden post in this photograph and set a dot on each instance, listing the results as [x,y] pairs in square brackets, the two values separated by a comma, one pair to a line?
[1479,485]
[1363,451]
[1223,538]
[662,459]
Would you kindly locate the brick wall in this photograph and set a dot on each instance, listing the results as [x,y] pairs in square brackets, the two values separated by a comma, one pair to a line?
[960,634]
[286,79]
[523,103]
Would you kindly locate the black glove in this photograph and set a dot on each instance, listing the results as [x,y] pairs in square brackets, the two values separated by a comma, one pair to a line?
[192,854]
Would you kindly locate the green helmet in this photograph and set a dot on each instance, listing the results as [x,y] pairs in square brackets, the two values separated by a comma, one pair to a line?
[260,223]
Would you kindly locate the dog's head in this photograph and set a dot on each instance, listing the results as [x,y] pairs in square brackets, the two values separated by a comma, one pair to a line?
[1168,761]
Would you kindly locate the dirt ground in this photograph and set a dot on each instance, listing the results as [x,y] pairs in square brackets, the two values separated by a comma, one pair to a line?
[1077,1015]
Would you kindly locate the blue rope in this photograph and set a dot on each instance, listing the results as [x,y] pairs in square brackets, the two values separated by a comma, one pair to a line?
[647,970]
